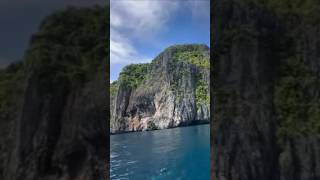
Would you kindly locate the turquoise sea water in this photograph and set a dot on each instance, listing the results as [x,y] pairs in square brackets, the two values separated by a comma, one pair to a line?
[178,153]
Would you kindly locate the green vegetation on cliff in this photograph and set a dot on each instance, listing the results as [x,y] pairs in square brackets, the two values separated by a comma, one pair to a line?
[185,47]
[194,57]
[304,10]
[193,54]
[10,87]
[69,47]
[59,53]
[202,92]
[133,75]
[296,101]
[114,88]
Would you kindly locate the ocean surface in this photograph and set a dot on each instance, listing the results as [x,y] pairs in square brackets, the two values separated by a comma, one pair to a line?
[170,154]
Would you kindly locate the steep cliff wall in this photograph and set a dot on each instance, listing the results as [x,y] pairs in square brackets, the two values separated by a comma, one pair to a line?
[60,126]
[171,91]
[11,90]
[266,76]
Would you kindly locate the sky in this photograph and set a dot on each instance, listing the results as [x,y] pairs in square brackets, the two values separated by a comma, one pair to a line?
[19,19]
[141,29]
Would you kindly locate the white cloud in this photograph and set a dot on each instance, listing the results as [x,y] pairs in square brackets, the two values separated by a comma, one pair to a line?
[123,52]
[116,20]
[135,20]
[141,16]
[143,20]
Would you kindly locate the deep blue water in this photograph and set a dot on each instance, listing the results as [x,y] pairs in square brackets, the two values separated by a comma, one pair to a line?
[179,153]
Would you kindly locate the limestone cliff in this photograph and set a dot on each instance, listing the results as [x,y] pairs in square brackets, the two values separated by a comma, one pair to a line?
[266,79]
[58,128]
[171,91]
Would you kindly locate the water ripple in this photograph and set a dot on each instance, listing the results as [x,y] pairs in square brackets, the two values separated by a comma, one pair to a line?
[179,153]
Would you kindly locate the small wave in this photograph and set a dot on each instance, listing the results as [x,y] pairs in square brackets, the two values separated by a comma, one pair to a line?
[131,162]
[163,170]
[113,155]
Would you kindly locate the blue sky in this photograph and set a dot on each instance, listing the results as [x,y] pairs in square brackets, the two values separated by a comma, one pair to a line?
[141,29]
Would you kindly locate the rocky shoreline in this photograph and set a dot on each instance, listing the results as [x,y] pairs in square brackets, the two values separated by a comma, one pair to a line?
[195,124]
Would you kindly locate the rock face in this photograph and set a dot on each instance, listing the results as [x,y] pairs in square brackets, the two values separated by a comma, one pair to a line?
[266,74]
[62,135]
[61,125]
[173,90]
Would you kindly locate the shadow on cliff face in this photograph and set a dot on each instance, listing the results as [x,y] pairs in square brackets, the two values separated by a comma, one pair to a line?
[265,77]
[58,125]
